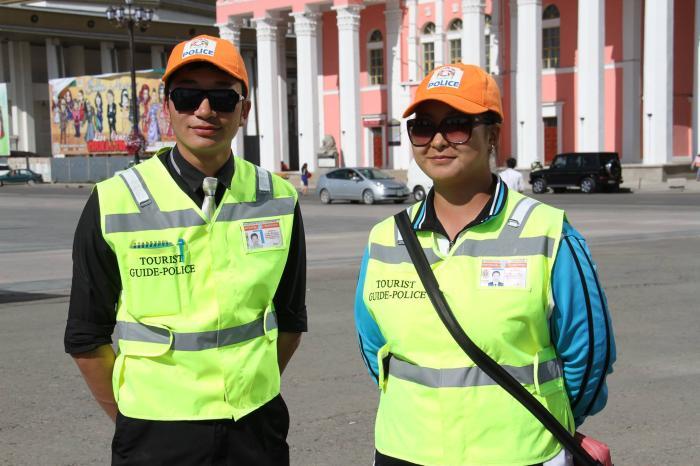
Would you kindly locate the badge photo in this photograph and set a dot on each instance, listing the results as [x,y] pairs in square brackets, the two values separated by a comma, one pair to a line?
[260,236]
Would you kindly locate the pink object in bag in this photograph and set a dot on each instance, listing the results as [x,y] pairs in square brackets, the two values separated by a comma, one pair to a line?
[597,449]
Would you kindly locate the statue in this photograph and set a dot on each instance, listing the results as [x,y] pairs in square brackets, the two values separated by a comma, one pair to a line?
[328,153]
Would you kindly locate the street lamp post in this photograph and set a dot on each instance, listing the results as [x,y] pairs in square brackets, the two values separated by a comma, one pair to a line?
[128,16]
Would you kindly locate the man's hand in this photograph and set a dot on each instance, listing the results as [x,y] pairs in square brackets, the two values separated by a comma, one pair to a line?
[96,367]
[287,343]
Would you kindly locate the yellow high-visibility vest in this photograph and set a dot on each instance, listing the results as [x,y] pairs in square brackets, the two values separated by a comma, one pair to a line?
[436,406]
[196,326]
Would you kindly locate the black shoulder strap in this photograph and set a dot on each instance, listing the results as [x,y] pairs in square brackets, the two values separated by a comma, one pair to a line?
[480,358]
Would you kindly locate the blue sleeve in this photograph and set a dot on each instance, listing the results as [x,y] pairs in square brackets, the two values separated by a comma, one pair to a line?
[369,336]
[580,325]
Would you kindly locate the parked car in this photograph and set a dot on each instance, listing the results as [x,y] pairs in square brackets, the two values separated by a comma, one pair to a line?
[4,169]
[368,185]
[21,176]
[418,182]
[589,171]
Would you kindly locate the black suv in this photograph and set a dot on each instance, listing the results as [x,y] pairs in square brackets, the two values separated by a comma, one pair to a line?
[590,171]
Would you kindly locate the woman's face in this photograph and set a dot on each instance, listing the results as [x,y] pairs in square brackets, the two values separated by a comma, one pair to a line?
[110,98]
[445,162]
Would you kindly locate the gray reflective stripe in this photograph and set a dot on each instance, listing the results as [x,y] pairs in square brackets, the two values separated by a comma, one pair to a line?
[244,210]
[172,161]
[470,376]
[152,220]
[499,248]
[524,207]
[264,184]
[271,322]
[397,255]
[195,341]
[137,188]
[134,331]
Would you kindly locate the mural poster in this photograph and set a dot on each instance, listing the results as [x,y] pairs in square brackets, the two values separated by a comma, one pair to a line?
[92,114]
[4,122]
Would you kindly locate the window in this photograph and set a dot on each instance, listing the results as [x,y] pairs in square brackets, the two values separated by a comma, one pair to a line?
[550,37]
[487,42]
[454,40]
[428,57]
[428,48]
[376,58]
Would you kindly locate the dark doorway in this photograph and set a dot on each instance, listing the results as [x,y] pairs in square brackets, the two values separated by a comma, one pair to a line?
[551,138]
[377,147]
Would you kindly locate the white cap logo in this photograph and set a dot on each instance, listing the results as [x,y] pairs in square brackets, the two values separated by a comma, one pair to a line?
[446,76]
[200,46]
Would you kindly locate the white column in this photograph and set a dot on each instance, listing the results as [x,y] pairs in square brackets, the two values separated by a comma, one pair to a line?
[231,32]
[513,72]
[319,80]
[157,56]
[306,27]
[529,82]
[52,65]
[696,85]
[413,64]
[282,117]
[439,33]
[495,52]
[393,16]
[348,73]
[107,57]
[268,99]
[658,82]
[589,78]
[473,32]
[22,95]
[631,81]
[76,60]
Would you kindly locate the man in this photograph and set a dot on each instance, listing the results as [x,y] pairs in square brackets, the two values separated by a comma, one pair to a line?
[512,177]
[496,279]
[205,324]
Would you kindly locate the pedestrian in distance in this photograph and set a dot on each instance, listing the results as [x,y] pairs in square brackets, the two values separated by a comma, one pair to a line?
[305,175]
[204,322]
[546,322]
[695,164]
[512,178]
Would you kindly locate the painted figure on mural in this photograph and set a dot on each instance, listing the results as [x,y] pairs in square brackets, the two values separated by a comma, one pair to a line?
[98,113]
[111,115]
[144,102]
[164,126]
[78,112]
[2,126]
[68,97]
[63,113]
[153,133]
[89,121]
[125,107]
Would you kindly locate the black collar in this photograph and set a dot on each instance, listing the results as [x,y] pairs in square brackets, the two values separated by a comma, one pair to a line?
[427,219]
[193,177]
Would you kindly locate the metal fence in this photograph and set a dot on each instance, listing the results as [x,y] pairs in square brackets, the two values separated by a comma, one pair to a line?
[86,169]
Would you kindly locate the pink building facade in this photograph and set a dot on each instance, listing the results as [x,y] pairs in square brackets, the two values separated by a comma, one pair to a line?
[593,75]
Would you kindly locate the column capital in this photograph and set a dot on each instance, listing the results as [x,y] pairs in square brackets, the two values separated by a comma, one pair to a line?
[348,17]
[231,30]
[306,23]
[473,6]
[266,28]
[529,2]
[394,15]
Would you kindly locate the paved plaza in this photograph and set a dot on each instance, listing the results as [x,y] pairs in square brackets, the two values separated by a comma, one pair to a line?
[646,245]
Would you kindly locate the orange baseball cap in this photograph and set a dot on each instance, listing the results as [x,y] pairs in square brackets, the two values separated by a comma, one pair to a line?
[219,52]
[466,88]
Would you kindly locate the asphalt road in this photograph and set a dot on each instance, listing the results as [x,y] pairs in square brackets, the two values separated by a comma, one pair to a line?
[645,244]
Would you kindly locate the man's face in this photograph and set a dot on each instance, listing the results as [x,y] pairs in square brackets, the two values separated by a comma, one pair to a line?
[205,131]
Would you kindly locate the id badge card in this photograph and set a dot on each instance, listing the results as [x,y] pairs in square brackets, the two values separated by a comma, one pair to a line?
[261,236]
[503,273]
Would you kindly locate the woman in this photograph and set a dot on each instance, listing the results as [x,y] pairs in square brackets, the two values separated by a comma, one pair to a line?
[436,407]
[305,175]
[111,114]
[99,112]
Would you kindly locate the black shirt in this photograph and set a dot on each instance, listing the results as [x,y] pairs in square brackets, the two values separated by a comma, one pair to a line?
[96,282]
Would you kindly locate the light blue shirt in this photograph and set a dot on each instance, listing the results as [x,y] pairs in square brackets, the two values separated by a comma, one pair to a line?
[580,324]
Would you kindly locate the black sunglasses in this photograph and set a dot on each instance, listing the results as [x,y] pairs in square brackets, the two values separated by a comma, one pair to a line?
[455,129]
[220,100]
